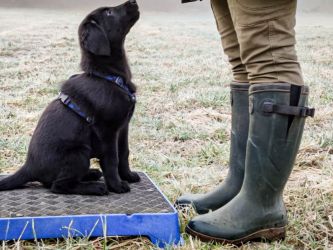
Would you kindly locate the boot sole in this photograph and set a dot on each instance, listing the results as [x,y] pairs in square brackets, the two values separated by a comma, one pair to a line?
[270,234]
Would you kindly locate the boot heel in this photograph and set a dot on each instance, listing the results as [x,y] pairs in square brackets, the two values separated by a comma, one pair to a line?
[272,234]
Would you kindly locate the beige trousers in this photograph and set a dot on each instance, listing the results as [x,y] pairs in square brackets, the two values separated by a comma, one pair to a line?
[258,37]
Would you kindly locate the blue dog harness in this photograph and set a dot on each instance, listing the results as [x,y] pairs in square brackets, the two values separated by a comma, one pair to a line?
[118,80]
[67,101]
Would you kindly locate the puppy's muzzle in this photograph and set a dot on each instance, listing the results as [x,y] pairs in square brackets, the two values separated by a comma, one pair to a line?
[132,7]
[133,2]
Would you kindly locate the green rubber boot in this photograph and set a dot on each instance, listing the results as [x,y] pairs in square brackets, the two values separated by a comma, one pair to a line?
[230,187]
[277,116]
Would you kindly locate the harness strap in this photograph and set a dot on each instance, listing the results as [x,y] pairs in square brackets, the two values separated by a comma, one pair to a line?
[66,100]
[269,107]
[119,81]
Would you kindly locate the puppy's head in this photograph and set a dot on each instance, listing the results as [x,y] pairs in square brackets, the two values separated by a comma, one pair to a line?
[107,27]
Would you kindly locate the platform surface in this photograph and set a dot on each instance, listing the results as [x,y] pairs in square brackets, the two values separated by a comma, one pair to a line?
[34,212]
[35,200]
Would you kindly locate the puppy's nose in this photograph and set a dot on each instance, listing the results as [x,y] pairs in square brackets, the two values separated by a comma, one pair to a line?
[133,2]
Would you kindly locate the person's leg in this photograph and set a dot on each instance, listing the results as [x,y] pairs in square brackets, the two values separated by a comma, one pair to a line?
[231,185]
[278,100]
[265,31]
[229,39]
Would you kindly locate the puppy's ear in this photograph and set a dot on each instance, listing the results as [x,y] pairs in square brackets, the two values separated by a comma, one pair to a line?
[95,40]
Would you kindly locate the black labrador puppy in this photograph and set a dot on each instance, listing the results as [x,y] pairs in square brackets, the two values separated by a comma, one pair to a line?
[90,118]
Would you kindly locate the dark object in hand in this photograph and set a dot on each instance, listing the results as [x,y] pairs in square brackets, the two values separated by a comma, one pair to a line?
[188,1]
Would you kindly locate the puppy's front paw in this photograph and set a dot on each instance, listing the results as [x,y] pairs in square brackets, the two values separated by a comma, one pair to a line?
[119,187]
[131,177]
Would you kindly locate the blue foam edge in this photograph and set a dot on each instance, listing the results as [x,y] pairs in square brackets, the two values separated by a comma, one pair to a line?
[162,228]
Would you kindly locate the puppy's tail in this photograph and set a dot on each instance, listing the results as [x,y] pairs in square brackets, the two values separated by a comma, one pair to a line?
[16,180]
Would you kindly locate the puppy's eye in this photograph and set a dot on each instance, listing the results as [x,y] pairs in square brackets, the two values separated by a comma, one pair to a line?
[108,12]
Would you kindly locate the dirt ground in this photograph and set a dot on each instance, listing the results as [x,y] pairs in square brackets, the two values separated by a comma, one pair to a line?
[180,132]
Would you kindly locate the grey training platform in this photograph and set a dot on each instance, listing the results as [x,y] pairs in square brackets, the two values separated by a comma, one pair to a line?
[36,213]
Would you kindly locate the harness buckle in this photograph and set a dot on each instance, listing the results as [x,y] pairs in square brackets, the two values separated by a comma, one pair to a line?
[119,81]
[90,120]
[64,98]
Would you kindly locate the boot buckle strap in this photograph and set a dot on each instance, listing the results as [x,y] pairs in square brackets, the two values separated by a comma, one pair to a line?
[269,107]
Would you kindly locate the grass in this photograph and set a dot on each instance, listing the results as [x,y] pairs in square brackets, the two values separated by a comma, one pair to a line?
[180,132]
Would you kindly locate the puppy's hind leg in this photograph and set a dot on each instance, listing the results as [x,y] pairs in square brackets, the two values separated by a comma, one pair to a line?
[70,179]
[93,175]
[73,186]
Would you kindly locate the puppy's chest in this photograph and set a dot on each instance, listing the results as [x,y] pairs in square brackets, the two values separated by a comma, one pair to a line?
[119,113]
[114,104]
